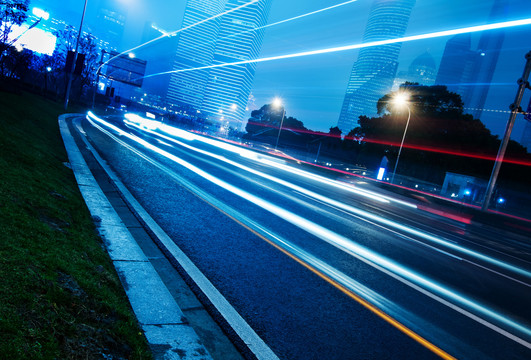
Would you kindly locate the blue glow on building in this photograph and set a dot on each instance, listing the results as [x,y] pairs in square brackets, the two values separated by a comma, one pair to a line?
[220,93]
[195,49]
[228,88]
[375,69]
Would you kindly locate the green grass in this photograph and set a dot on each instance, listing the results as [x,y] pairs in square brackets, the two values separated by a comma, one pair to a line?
[60,297]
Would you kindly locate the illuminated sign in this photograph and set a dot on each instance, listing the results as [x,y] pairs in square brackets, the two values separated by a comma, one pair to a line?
[381,173]
[34,39]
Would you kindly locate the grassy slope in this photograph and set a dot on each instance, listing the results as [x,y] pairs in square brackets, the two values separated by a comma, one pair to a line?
[59,294]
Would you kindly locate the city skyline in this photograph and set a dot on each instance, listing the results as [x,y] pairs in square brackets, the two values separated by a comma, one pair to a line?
[313,88]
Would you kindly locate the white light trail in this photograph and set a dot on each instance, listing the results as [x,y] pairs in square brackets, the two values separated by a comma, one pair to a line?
[364,215]
[177,31]
[401,273]
[273,24]
[465,30]
[146,124]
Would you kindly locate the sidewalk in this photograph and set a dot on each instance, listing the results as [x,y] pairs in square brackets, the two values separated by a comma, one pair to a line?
[175,323]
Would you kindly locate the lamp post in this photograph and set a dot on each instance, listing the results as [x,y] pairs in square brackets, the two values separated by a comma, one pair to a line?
[48,69]
[401,99]
[278,103]
[69,86]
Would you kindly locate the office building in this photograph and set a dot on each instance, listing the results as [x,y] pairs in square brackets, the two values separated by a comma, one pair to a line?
[456,64]
[228,88]
[195,49]
[422,70]
[375,69]
[468,70]
[111,17]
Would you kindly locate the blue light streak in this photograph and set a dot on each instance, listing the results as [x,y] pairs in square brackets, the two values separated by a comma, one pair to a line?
[271,25]
[364,215]
[176,32]
[465,30]
[401,273]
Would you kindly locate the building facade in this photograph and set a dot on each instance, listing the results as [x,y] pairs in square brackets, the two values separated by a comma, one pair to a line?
[195,49]
[228,88]
[456,64]
[374,71]
[221,93]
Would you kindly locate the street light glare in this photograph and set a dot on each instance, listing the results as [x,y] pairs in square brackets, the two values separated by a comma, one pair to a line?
[401,99]
[277,102]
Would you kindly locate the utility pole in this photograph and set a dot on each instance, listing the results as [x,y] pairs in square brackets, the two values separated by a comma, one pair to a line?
[523,84]
[67,95]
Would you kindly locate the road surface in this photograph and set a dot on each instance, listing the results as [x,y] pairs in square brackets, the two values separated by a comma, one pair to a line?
[322,268]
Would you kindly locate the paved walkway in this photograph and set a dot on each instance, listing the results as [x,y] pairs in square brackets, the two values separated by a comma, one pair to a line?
[175,323]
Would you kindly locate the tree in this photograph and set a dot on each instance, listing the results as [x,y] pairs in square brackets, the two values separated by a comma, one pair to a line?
[437,121]
[265,122]
[66,41]
[12,13]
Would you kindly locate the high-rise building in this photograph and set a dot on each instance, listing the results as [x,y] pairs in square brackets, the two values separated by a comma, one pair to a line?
[484,61]
[195,49]
[422,70]
[375,69]
[456,64]
[469,71]
[219,93]
[229,88]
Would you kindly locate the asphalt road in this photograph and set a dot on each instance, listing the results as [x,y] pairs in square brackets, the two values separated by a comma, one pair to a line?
[323,269]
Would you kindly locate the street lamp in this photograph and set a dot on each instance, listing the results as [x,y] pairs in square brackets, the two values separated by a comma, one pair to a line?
[48,69]
[69,86]
[400,100]
[277,103]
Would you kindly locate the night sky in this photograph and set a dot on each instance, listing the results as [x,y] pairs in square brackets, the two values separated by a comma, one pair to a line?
[313,88]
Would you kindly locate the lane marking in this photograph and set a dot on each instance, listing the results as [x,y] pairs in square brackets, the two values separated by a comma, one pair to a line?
[362,253]
[364,215]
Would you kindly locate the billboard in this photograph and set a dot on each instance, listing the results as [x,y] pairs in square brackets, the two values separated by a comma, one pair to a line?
[126,69]
[34,39]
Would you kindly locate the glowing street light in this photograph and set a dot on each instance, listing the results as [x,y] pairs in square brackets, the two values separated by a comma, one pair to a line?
[277,103]
[400,100]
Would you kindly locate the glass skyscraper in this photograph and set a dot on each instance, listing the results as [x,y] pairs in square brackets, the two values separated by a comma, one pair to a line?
[228,88]
[375,69]
[195,49]
[219,93]
[469,71]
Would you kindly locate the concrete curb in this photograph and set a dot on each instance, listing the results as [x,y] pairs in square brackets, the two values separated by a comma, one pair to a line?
[259,349]
[161,319]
